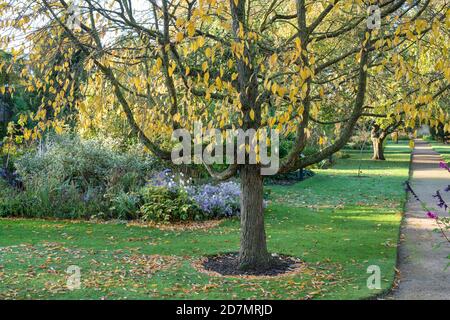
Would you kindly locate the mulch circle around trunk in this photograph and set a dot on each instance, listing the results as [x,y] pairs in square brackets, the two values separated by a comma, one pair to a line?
[226,265]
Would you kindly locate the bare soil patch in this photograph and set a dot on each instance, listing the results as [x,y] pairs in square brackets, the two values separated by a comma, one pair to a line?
[226,265]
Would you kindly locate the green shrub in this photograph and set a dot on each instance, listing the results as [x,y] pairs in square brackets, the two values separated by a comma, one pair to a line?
[342,155]
[5,189]
[48,200]
[125,206]
[86,163]
[285,147]
[360,140]
[8,200]
[11,207]
[68,177]
[309,150]
[71,178]
[163,205]
[358,145]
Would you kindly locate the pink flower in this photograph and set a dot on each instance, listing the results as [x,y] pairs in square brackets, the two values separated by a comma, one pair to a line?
[444,165]
[432,215]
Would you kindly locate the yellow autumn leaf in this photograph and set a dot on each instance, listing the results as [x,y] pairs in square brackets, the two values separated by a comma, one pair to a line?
[273,59]
[252,114]
[180,22]
[158,63]
[27,134]
[208,52]
[191,29]
[59,130]
[201,42]
[179,37]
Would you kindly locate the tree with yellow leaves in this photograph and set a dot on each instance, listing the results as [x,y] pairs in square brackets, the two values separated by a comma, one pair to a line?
[263,64]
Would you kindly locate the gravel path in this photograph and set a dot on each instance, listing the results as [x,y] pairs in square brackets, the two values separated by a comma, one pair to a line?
[422,274]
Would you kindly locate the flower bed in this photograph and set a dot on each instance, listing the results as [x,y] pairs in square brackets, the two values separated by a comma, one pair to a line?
[213,200]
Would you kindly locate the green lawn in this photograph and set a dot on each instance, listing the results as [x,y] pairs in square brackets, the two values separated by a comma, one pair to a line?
[337,223]
[443,149]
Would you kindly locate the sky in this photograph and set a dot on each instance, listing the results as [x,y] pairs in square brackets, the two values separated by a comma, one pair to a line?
[18,38]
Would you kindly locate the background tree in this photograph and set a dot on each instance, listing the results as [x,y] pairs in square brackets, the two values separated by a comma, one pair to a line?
[411,88]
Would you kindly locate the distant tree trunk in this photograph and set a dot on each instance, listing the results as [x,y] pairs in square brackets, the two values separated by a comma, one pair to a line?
[6,107]
[378,135]
[395,137]
[378,149]
[253,253]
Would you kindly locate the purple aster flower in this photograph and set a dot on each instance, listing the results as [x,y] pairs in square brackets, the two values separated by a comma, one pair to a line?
[447,189]
[221,200]
[164,179]
[432,215]
[217,200]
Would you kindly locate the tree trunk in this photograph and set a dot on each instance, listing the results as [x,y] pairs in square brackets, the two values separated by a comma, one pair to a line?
[253,254]
[378,135]
[378,149]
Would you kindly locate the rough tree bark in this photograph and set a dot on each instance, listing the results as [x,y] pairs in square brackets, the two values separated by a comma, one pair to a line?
[253,253]
[378,149]
[378,135]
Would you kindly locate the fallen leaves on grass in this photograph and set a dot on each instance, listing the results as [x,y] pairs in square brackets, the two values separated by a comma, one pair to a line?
[146,265]
[182,226]
[39,270]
